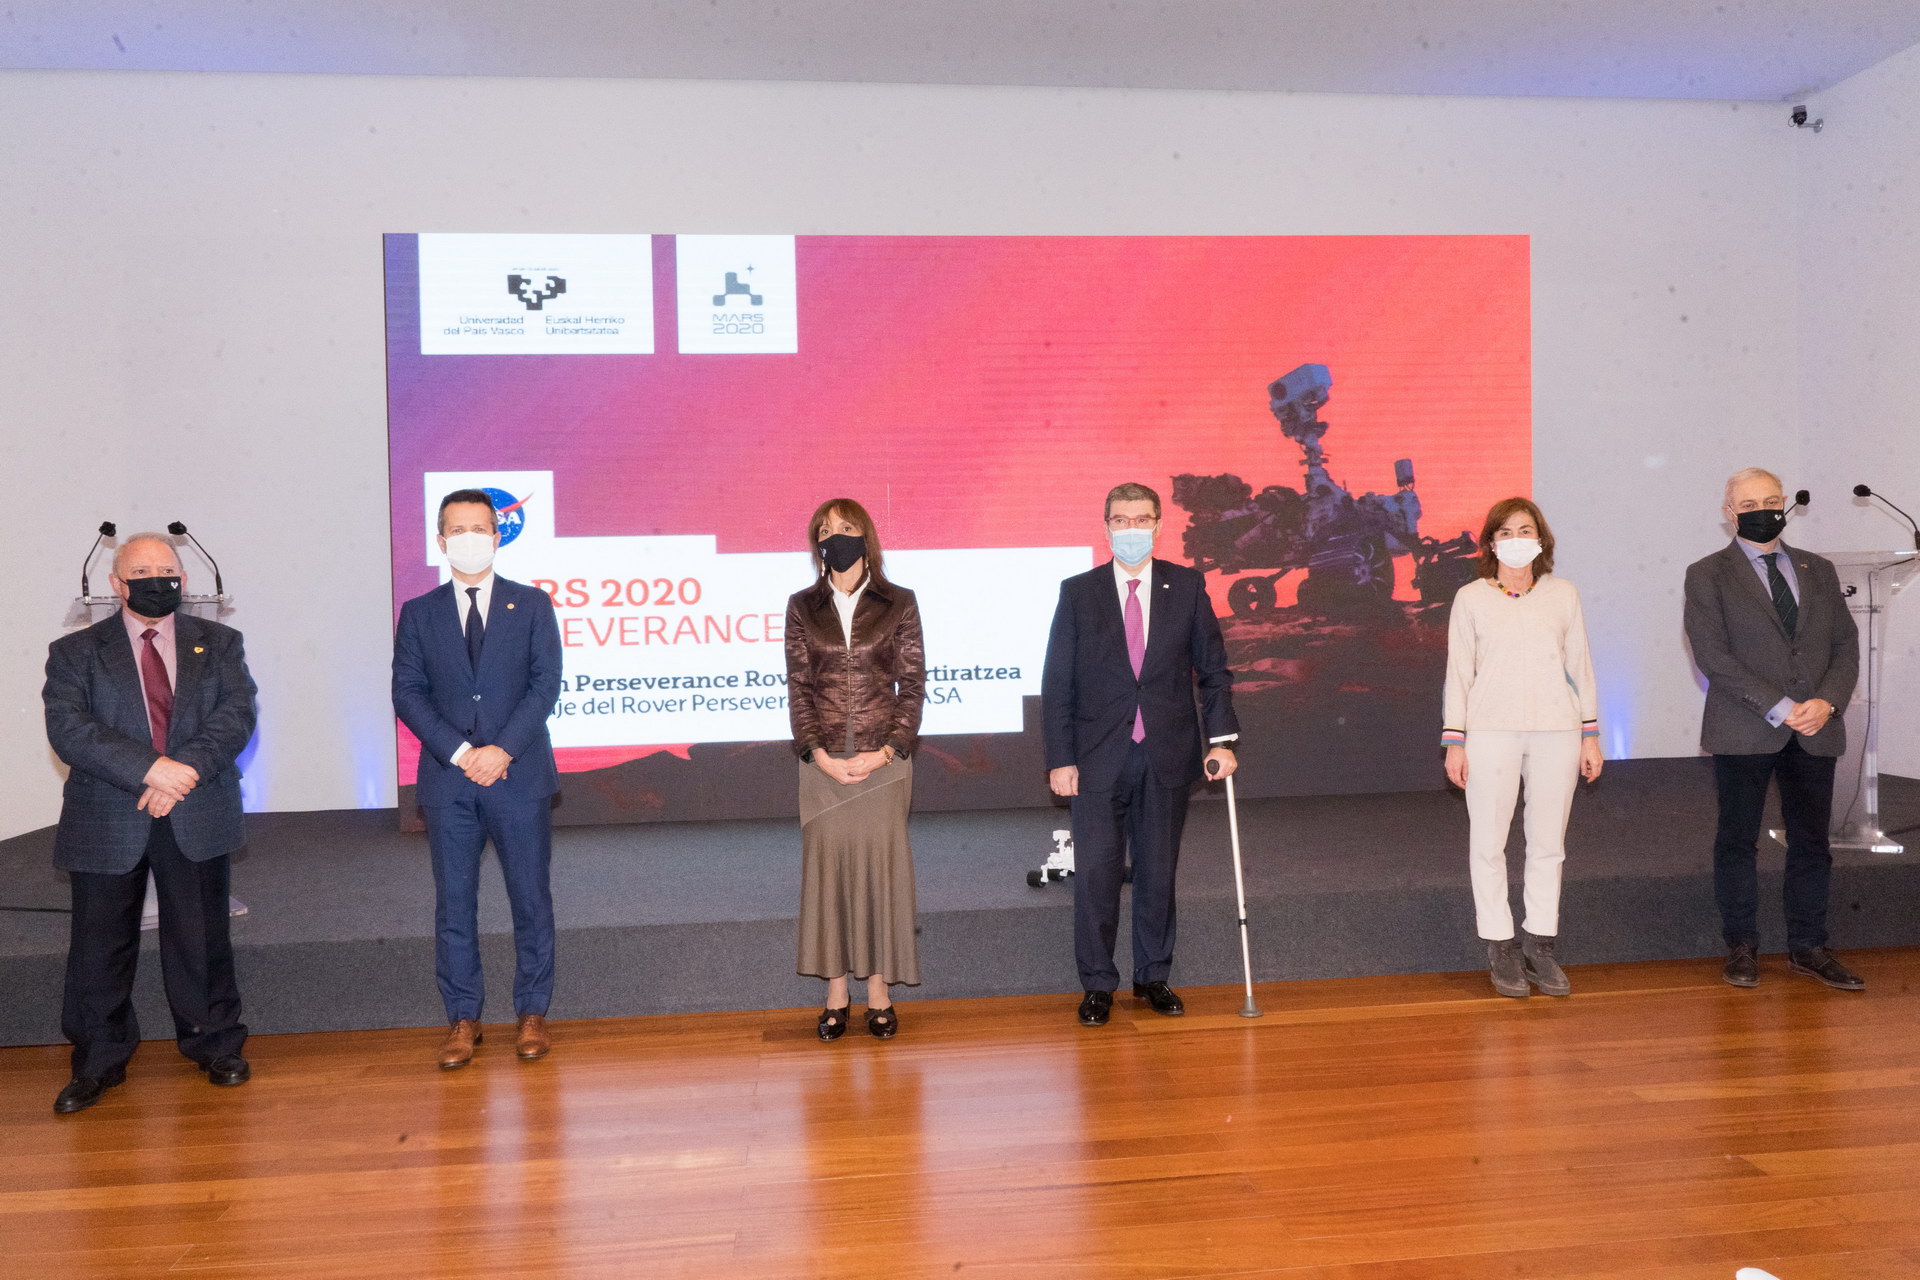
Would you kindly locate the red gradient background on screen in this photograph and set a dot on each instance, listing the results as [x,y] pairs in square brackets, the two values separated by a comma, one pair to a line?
[988,391]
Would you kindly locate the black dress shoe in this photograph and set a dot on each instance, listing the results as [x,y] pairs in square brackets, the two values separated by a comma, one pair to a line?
[83,1091]
[1818,962]
[1095,1008]
[1160,997]
[227,1070]
[1743,965]
[833,1022]
[883,1024]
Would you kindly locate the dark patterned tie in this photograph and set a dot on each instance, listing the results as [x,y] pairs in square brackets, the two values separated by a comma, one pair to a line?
[153,677]
[476,627]
[1783,601]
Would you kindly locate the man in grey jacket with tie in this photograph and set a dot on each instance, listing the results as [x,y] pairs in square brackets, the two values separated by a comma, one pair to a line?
[149,710]
[1771,630]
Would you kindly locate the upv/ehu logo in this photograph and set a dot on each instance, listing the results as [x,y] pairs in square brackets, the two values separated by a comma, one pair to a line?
[535,292]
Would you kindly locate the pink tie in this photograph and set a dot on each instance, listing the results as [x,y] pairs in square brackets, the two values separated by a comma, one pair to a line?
[1136,649]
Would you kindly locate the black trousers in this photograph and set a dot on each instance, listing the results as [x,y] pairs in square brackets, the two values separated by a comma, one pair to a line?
[1806,806]
[1139,815]
[196,959]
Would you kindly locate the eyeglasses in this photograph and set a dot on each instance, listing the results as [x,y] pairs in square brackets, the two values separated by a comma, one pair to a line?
[1132,522]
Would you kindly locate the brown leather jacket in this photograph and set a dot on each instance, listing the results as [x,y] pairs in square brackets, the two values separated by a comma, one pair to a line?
[879,683]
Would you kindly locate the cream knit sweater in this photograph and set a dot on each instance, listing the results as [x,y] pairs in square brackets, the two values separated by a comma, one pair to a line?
[1518,664]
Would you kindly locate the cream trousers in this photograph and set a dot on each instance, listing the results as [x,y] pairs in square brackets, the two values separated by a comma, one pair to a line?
[1497,762]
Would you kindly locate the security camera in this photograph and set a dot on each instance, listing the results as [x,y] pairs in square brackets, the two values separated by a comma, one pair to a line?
[1798,119]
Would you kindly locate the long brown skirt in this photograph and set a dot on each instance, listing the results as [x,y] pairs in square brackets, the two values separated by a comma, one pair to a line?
[856,876]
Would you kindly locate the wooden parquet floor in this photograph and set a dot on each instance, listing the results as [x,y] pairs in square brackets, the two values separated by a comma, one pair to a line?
[1658,1125]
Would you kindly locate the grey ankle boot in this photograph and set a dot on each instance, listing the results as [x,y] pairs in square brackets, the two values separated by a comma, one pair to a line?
[1542,970]
[1503,965]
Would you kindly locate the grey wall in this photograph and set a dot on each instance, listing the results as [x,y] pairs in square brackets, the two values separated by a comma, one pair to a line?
[193,326]
[1859,186]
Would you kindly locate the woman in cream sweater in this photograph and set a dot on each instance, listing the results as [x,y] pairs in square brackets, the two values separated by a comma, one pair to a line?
[1520,706]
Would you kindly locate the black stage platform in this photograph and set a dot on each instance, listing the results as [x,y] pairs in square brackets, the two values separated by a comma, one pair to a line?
[666,918]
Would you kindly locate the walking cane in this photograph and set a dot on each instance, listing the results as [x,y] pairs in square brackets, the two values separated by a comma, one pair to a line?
[1250,1009]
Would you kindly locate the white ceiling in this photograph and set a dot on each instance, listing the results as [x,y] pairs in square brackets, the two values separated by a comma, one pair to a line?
[1764,50]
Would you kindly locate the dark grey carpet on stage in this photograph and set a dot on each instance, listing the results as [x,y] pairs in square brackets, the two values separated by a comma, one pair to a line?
[673,917]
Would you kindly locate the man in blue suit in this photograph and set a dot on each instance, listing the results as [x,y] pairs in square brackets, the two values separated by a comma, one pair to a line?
[1131,642]
[476,670]
[149,709]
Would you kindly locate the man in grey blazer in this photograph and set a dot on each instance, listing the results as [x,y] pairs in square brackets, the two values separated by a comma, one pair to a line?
[149,709]
[1771,631]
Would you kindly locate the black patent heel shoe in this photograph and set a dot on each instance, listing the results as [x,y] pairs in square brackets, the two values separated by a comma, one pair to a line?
[883,1023]
[833,1022]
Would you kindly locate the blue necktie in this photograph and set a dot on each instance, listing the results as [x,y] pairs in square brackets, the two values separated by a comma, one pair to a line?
[1783,601]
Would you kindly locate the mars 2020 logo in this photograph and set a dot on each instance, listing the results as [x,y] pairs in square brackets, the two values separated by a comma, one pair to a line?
[507,514]
[731,321]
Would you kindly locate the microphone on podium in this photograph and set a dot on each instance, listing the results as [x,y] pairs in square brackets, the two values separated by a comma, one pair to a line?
[1800,499]
[1862,491]
[107,530]
[179,530]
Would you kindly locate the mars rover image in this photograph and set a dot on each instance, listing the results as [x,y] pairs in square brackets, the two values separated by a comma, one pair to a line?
[1344,545]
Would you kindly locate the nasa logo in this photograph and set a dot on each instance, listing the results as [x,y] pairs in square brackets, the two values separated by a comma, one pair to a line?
[507,514]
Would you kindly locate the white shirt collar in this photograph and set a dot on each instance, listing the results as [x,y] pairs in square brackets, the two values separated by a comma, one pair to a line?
[485,599]
[845,602]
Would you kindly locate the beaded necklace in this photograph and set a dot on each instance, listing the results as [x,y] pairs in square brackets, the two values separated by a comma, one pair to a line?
[1515,595]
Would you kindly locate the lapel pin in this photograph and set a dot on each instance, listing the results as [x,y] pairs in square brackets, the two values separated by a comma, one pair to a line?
[509,604]
[198,649]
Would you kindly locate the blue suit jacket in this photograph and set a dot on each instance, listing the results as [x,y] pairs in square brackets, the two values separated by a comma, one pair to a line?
[505,704]
[1088,693]
[97,723]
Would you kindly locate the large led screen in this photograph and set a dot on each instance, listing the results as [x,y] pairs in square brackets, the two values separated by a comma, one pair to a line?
[1326,418]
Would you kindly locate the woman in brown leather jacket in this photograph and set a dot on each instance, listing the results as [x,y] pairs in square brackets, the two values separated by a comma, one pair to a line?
[856,680]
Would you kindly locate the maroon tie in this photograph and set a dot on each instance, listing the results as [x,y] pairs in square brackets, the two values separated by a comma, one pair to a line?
[1136,648]
[153,674]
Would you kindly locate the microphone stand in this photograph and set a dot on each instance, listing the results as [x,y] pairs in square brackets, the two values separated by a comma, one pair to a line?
[1862,491]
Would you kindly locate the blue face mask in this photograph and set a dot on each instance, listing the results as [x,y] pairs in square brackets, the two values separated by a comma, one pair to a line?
[1130,546]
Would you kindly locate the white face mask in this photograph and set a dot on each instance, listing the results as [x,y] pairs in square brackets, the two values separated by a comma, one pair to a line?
[470,552]
[1517,553]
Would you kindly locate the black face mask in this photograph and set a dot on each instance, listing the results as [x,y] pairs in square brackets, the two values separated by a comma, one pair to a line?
[153,597]
[842,551]
[1762,526]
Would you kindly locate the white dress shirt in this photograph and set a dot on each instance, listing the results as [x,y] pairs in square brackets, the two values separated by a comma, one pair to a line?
[1145,577]
[463,602]
[844,603]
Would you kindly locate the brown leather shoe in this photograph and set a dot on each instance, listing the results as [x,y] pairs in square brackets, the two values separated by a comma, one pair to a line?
[533,1041]
[458,1049]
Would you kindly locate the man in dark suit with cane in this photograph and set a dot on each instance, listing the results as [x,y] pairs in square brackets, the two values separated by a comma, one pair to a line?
[149,710]
[1131,641]
[1772,632]
[476,670]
